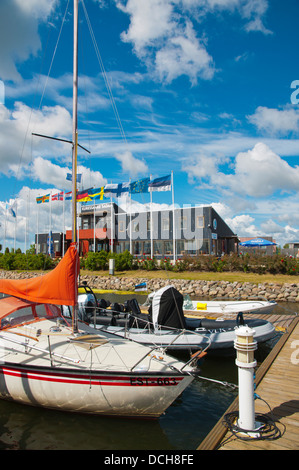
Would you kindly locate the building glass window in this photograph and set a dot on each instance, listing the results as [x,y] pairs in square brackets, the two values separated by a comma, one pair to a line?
[200,221]
[121,226]
[147,248]
[168,250]
[119,247]
[158,247]
[137,248]
[85,223]
[180,247]
[165,224]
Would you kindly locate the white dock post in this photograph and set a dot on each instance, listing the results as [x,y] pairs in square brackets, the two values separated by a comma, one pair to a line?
[245,346]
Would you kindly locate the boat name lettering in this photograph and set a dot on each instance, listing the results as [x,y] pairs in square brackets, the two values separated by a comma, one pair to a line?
[141,381]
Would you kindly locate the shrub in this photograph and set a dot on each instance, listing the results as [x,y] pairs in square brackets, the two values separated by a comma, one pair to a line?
[96,261]
[26,262]
[123,261]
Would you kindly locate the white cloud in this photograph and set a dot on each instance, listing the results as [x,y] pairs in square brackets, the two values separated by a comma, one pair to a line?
[276,121]
[131,164]
[184,54]
[17,146]
[167,34]
[257,173]
[260,172]
[19,38]
[47,172]
[165,39]
[243,225]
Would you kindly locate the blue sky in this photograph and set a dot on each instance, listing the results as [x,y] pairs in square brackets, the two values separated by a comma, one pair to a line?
[202,88]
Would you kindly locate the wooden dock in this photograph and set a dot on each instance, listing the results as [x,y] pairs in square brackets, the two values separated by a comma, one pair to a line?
[277,381]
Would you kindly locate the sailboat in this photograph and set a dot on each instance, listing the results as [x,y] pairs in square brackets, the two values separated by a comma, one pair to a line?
[51,361]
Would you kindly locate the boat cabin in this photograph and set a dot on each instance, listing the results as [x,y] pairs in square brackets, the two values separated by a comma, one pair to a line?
[14,311]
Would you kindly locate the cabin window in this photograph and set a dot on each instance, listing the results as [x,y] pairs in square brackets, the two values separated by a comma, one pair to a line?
[18,316]
[46,311]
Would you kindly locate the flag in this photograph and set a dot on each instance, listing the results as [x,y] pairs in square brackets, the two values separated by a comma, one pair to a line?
[12,208]
[42,199]
[58,196]
[68,196]
[83,196]
[97,193]
[69,177]
[117,190]
[160,184]
[140,186]
[141,287]
[50,244]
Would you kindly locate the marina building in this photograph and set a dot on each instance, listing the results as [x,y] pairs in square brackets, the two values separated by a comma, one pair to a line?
[163,233]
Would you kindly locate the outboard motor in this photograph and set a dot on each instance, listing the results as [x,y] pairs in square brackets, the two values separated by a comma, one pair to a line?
[167,308]
[86,307]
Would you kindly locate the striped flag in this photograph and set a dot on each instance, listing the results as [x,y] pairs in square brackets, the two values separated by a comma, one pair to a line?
[83,196]
[160,184]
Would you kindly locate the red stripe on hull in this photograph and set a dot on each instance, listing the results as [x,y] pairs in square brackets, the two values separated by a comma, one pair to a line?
[94,380]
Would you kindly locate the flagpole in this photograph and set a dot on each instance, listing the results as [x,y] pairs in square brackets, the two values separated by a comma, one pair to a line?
[15,227]
[63,233]
[37,230]
[151,221]
[173,219]
[130,218]
[111,225]
[94,225]
[4,247]
[50,224]
[26,225]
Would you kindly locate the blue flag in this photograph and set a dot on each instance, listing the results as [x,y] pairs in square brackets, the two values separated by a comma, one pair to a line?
[140,186]
[69,177]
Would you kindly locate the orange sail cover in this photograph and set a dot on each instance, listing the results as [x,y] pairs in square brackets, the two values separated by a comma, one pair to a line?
[59,287]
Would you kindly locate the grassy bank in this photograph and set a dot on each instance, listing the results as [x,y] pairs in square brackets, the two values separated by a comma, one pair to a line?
[197,275]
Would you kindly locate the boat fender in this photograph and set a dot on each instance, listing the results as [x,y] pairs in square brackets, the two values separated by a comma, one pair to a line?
[240,319]
[102,303]
[201,306]
[116,307]
[113,321]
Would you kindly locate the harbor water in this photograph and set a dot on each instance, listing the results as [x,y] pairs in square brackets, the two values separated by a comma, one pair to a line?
[184,425]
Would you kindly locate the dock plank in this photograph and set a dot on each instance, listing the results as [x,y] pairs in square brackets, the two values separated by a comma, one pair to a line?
[278,384]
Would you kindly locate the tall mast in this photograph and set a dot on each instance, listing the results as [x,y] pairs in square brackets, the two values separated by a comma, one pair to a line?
[75,124]
[74,153]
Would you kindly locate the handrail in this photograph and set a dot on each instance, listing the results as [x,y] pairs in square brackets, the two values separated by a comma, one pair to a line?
[27,345]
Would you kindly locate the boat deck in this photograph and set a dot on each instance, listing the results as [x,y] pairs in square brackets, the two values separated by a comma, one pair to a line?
[277,381]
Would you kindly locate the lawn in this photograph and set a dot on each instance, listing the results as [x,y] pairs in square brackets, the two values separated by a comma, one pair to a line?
[198,275]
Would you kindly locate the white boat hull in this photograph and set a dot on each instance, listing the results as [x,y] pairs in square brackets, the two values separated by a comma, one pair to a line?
[117,393]
[228,307]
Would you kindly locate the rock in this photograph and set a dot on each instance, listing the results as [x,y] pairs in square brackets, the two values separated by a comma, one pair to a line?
[197,288]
